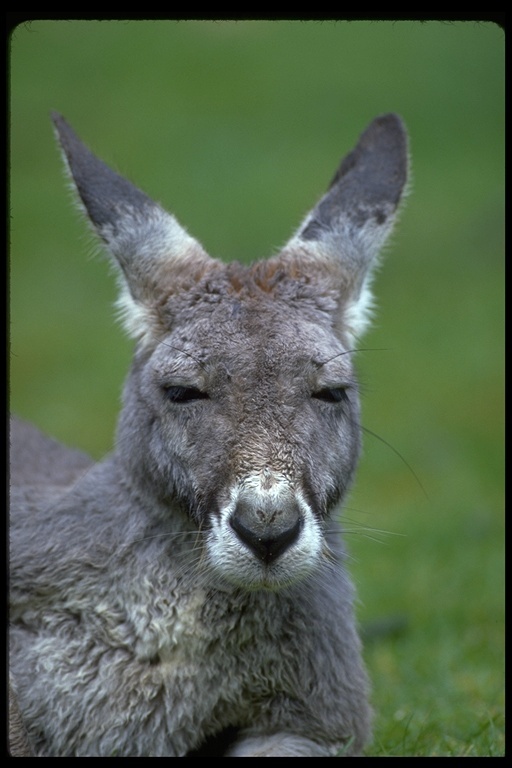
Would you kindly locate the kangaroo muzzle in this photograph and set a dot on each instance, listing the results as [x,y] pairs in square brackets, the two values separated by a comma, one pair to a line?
[268,527]
[267,535]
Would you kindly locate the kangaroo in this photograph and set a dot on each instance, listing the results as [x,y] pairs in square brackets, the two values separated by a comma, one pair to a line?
[188,594]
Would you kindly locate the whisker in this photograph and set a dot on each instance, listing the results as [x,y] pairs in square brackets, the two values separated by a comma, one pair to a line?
[165,534]
[350,352]
[182,351]
[397,453]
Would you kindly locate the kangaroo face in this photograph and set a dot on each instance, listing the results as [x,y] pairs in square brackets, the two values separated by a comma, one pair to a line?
[249,410]
[241,406]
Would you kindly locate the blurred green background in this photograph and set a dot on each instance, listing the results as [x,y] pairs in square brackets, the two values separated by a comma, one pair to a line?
[237,127]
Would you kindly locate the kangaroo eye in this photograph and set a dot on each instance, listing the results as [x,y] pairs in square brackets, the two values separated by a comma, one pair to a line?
[331,394]
[184,394]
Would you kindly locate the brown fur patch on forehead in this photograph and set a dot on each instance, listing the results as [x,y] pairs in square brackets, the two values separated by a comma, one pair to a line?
[272,275]
[266,289]
[263,276]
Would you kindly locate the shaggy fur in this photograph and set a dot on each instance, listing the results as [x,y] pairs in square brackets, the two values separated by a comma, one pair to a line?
[188,594]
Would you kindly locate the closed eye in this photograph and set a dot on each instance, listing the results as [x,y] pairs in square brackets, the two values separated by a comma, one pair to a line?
[330,394]
[181,395]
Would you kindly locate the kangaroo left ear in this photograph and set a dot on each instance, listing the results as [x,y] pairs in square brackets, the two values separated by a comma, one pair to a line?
[155,254]
[344,233]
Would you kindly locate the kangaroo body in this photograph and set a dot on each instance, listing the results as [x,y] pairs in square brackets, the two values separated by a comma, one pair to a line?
[188,595]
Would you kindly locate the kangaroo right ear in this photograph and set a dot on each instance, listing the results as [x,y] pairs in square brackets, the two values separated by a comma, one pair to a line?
[155,253]
[343,234]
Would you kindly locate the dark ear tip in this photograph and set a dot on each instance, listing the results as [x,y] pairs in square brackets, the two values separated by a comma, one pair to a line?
[57,119]
[63,130]
[390,118]
[391,123]
[66,136]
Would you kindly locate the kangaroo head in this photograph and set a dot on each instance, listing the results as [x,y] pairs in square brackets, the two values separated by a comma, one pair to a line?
[241,408]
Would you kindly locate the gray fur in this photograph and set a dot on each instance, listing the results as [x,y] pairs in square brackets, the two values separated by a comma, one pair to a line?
[193,583]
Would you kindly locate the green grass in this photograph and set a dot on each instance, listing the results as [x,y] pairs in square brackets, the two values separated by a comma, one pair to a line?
[238,128]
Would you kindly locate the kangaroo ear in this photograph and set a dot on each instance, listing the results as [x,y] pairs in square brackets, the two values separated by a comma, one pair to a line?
[155,254]
[344,233]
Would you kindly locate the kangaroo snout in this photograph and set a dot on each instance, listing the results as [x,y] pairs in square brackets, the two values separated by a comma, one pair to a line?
[267,536]
[267,527]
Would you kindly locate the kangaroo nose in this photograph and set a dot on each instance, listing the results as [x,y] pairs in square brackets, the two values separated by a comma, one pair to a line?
[267,532]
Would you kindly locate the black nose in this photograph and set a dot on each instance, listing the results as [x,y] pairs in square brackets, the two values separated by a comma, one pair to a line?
[267,532]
